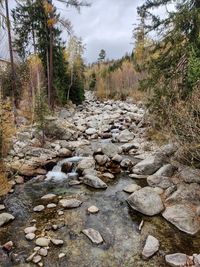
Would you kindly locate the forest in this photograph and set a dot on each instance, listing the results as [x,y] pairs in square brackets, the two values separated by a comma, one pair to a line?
[99,151]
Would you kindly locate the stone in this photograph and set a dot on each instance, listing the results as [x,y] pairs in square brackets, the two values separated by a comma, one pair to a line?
[108,175]
[2,207]
[43,252]
[146,201]
[125,136]
[30,258]
[183,217]
[19,180]
[176,260]
[61,255]
[91,131]
[51,205]
[93,209]
[196,260]
[64,152]
[149,165]
[93,235]
[117,158]
[101,159]
[158,190]
[131,188]
[166,170]
[126,163]
[190,175]
[110,150]
[86,163]
[5,218]
[70,203]
[137,176]
[151,247]
[159,181]
[48,197]
[42,242]
[94,181]
[57,242]
[37,258]
[30,236]
[60,212]
[30,229]
[8,245]
[38,208]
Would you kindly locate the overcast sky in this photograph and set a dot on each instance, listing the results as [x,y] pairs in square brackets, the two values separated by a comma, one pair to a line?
[107,24]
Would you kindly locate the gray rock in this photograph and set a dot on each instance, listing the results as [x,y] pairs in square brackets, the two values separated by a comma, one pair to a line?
[2,207]
[5,218]
[190,175]
[42,242]
[176,260]
[70,203]
[57,242]
[126,163]
[183,217]
[51,205]
[108,175]
[93,209]
[125,136]
[151,247]
[93,235]
[131,188]
[91,131]
[149,165]
[30,236]
[94,181]
[117,158]
[86,163]
[167,170]
[37,258]
[30,229]
[110,150]
[101,159]
[43,252]
[38,208]
[196,260]
[160,181]
[146,201]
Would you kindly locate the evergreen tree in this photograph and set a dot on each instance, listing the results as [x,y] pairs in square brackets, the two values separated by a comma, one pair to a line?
[102,55]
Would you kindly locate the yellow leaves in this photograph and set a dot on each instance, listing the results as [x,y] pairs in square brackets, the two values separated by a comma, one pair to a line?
[51,22]
[48,8]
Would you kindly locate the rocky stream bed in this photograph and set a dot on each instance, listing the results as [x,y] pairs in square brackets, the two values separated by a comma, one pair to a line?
[98,194]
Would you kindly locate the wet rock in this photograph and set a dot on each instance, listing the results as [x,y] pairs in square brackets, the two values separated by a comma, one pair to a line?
[5,218]
[176,260]
[93,235]
[110,150]
[183,217]
[93,209]
[108,175]
[30,236]
[101,159]
[38,208]
[146,201]
[159,181]
[87,163]
[151,247]
[118,158]
[70,203]
[131,188]
[167,170]
[43,252]
[37,258]
[57,242]
[149,165]
[51,205]
[94,182]
[42,242]
[91,131]
[125,136]
[48,197]
[30,229]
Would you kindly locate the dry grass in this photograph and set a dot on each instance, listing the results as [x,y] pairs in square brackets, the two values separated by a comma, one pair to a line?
[4,184]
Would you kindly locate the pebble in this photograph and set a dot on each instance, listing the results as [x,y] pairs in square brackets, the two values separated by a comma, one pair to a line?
[93,235]
[38,208]
[51,205]
[30,230]
[93,209]
[8,245]
[55,227]
[30,236]
[131,188]
[57,242]
[48,197]
[37,258]
[2,207]
[42,242]
[61,255]
[31,256]
[43,252]
[36,248]
[60,212]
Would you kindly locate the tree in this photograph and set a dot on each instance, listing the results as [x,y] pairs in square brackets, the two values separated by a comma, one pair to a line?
[102,55]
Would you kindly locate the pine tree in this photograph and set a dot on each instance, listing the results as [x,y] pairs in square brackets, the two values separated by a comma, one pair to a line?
[102,55]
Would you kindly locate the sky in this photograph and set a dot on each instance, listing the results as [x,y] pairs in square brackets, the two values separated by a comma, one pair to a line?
[107,24]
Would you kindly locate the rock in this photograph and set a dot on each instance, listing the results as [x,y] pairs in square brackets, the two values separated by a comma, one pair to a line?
[61,255]
[37,258]
[30,236]
[101,159]
[43,252]
[176,260]
[91,131]
[196,260]
[138,176]
[93,209]
[108,175]
[60,212]
[169,149]
[30,258]
[127,147]
[131,188]
[146,201]
[30,229]
[158,190]
[51,205]
[42,242]
[57,242]
[2,207]
[19,180]
[190,175]
[8,245]
[70,203]
[125,136]
[64,152]
[5,218]
[48,197]
[151,247]
[38,208]
[93,235]
[126,163]
[110,150]
[167,170]
[86,163]
[183,217]
[149,165]
[94,181]
[170,190]
[159,181]
[117,158]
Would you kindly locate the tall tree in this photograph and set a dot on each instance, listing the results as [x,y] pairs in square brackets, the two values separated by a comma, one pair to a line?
[102,55]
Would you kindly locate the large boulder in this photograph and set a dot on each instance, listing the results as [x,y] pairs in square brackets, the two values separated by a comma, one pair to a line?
[159,181]
[94,182]
[146,201]
[86,163]
[149,165]
[183,217]
[190,175]
[167,170]
[110,150]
